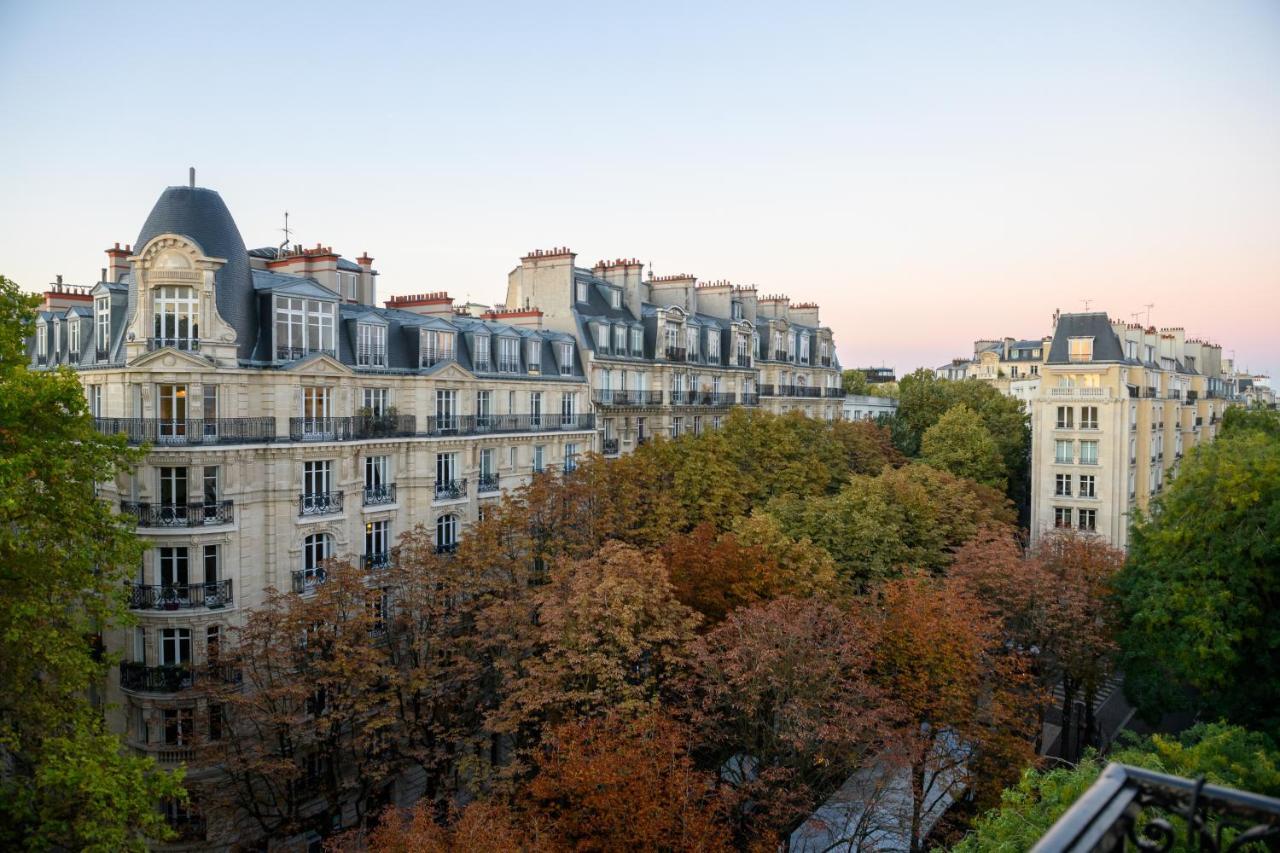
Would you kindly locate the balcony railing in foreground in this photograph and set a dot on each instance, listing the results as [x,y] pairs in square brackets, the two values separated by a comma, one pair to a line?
[179,515]
[180,596]
[1151,811]
[140,678]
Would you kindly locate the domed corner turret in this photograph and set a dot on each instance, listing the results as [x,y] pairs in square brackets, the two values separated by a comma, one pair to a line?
[201,215]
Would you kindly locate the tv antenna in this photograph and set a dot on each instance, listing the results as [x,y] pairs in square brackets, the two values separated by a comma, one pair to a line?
[1086,304]
[287,235]
[1149,306]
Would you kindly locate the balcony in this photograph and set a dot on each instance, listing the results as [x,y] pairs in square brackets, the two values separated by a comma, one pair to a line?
[306,580]
[451,490]
[379,495]
[319,503]
[100,355]
[188,433]
[376,562]
[486,483]
[446,547]
[628,398]
[171,678]
[1107,815]
[495,424]
[371,357]
[703,398]
[295,353]
[780,355]
[744,361]
[676,354]
[767,391]
[73,357]
[833,393]
[211,596]
[185,344]
[610,447]
[750,399]
[1080,393]
[432,357]
[351,429]
[826,361]
[508,365]
[179,515]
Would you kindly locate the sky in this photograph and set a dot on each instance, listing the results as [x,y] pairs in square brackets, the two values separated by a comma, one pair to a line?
[930,173]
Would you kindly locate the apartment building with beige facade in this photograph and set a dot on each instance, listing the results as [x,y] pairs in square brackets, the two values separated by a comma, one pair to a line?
[291,419]
[1118,407]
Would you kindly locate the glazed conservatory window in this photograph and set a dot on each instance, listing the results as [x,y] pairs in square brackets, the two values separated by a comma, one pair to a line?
[177,318]
[303,326]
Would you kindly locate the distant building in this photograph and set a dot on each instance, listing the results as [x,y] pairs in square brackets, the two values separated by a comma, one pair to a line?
[1118,406]
[866,407]
[877,375]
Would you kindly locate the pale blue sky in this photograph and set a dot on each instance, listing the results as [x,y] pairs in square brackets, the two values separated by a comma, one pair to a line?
[930,173]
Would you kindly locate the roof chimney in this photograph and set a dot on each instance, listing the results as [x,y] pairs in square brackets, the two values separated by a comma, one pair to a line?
[191,176]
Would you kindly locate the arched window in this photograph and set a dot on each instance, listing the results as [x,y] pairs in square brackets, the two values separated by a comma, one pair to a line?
[316,548]
[446,534]
[177,318]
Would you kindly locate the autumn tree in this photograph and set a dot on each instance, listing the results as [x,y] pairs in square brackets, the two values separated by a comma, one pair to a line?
[478,828]
[64,558]
[624,782]
[717,573]
[868,446]
[609,634]
[1198,590]
[960,443]
[783,708]
[312,719]
[961,709]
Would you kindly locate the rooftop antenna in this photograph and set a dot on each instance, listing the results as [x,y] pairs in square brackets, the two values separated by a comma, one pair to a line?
[287,235]
[1134,317]
[1086,304]
[1149,306]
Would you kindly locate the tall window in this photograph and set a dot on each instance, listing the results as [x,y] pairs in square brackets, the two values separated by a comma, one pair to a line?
[179,726]
[691,341]
[484,409]
[482,353]
[1089,417]
[1065,417]
[535,409]
[94,395]
[177,317]
[73,338]
[804,348]
[581,291]
[602,337]
[316,548]
[509,355]
[1062,516]
[42,341]
[175,646]
[1062,485]
[435,347]
[172,411]
[637,341]
[568,408]
[533,354]
[615,299]
[375,401]
[172,567]
[446,473]
[446,534]
[488,471]
[446,410]
[375,479]
[1064,452]
[317,484]
[317,411]
[620,340]
[570,457]
[303,326]
[1088,486]
[103,324]
[713,344]
[371,345]
[1088,453]
[566,358]
[376,543]
[539,454]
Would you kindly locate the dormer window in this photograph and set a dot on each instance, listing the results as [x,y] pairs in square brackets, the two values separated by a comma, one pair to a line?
[637,341]
[602,338]
[347,283]
[737,311]
[434,347]
[691,340]
[303,327]
[73,339]
[804,348]
[177,318]
[620,340]
[371,345]
[565,350]
[581,291]
[482,353]
[57,337]
[1080,349]
[713,345]
[615,299]
[102,323]
[508,355]
[42,340]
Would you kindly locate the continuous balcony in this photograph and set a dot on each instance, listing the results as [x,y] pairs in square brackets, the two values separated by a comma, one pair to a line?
[151,515]
[791,391]
[497,424]
[1080,393]
[356,428]
[210,596]
[751,399]
[619,399]
[381,495]
[172,678]
[319,503]
[703,398]
[191,432]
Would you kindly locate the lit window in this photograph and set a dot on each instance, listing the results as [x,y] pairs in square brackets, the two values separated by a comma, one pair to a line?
[1080,349]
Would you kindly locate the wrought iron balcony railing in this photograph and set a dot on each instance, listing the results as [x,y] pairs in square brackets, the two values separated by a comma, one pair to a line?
[610,447]
[451,490]
[179,515]
[834,392]
[508,365]
[374,562]
[628,398]
[305,580]
[380,495]
[750,399]
[371,357]
[744,361]
[826,361]
[432,357]
[487,483]
[319,503]
[180,596]
[676,354]
[140,678]
[1131,806]
[446,547]
[780,355]
[351,428]
[495,424]
[194,431]
[295,353]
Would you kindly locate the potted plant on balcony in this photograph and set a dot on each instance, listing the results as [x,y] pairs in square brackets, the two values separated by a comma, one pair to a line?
[169,597]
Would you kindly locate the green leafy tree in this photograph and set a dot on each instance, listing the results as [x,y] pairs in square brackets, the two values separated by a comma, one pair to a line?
[1198,594]
[922,399]
[961,444]
[854,382]
[64,557]
[1225,755]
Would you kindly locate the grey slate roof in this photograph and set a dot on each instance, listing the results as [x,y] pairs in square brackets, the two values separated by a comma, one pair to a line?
[201,215]
[1096,325]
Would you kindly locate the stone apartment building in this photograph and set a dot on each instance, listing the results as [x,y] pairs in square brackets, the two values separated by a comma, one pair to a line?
[290,419]
[1012,366]
[1118,407]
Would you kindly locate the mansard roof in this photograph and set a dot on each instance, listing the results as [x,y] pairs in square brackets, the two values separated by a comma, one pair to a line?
[1096,325]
